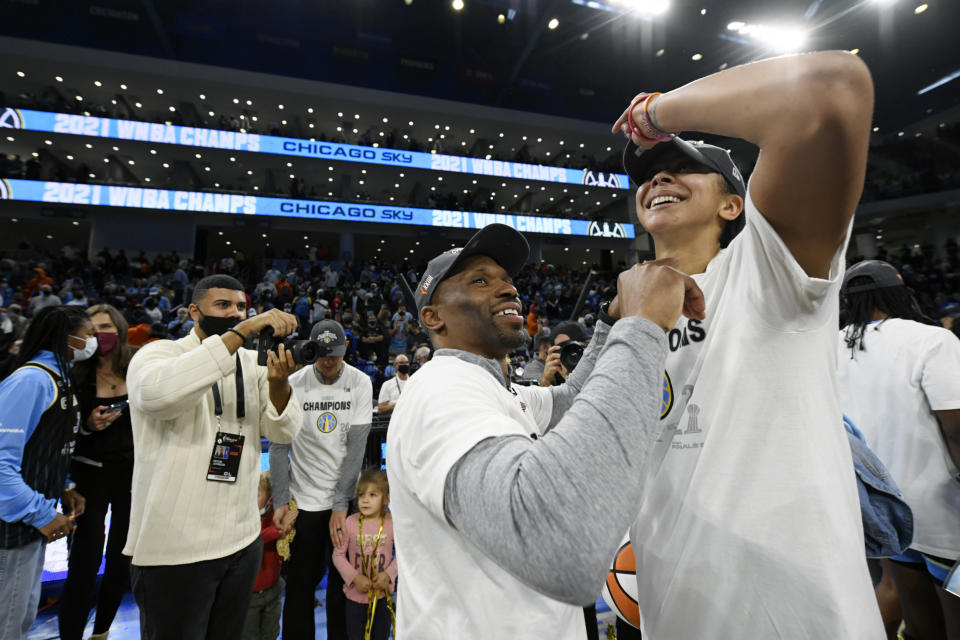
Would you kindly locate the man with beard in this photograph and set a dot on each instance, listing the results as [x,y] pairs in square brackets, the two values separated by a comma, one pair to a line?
[508,502]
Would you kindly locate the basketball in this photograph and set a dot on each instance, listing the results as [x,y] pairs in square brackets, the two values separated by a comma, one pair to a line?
[620,587]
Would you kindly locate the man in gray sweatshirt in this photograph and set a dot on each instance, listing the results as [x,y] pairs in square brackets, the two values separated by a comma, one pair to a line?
[509,502]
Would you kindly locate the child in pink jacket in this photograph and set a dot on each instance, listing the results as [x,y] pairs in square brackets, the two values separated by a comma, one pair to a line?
[367,563]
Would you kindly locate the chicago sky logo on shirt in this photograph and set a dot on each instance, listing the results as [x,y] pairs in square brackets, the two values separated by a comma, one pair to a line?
[326,422]
[666,399]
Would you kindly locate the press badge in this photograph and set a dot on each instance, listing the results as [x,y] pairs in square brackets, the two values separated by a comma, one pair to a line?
[225,459]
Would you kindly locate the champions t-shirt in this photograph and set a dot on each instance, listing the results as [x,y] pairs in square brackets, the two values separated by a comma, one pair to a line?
[890,391]
[449,588]
[329,410]
[750,525]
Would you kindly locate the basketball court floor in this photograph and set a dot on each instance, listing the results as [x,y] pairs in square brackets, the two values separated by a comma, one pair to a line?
[126,626]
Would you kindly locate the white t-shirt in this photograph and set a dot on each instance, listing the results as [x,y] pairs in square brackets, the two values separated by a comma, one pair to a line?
[890,391]
[318,450]
[750,523]
[391,389]
[450,588]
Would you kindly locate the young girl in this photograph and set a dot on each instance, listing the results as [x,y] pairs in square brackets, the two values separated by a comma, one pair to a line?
[367,563]
[263,615]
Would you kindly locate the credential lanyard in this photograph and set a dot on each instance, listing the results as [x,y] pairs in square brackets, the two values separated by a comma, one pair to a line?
[241,401]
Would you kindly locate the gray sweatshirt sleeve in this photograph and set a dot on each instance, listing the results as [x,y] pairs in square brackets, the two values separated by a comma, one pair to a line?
[544,509]
[564,394]
[350,467]
[280,473]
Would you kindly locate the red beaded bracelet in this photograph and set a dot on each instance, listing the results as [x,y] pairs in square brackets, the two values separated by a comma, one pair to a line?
[631,124]
[646,130]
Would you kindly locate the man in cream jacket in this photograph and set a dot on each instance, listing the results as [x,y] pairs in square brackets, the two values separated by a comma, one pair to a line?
[199,406]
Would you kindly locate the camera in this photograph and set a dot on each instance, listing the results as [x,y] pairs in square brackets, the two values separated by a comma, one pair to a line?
[570,353]
[304,351]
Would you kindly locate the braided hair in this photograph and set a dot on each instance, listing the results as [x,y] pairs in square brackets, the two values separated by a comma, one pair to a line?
[48,331]
[859,309]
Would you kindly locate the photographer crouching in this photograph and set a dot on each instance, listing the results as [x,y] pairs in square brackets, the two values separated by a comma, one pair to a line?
[198,408]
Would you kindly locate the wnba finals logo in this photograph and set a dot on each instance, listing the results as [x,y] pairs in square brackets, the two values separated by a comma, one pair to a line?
[4,190]
[598,179]
[606,229]
[11,119]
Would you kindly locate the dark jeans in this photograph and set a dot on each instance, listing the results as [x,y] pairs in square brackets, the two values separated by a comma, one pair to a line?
[202,600]
[107,486]
[336,601]
[590,618]
[356,613]
[310,557]
[627,632]
[263,616]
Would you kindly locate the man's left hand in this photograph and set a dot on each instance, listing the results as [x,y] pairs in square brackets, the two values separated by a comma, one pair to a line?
[74,504]
[337,522]
[280,365]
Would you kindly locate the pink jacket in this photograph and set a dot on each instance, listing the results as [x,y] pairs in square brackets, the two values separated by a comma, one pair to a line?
[348,559]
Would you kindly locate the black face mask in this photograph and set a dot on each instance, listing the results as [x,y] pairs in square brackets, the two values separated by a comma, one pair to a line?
[403,368]
[216,326]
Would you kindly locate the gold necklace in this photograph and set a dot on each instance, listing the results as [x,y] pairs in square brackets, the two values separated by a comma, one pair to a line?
[106,379]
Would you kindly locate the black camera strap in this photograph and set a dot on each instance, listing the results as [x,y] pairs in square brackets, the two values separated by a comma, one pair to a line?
[241,399]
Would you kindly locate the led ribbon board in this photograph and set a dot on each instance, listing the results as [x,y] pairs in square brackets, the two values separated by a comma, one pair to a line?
[48,122]
[96,195]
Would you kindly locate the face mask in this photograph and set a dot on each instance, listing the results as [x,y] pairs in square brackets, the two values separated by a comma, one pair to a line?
[106,342]
[216,326]
[403,368]
[90,348]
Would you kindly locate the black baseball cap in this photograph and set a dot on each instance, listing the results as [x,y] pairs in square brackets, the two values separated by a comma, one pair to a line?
[637,161]
[330,334]
[505,245]
[569,328]
[881,274]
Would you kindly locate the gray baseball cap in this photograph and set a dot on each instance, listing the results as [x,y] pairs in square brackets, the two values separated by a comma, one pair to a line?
[330,334]
[881,274]
[637,161]
[504,244]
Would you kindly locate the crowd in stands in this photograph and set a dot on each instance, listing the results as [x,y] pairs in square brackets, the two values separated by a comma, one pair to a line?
[367,298]
[913,166]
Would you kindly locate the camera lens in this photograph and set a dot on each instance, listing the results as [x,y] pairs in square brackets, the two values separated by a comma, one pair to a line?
[305,351]
[570,354]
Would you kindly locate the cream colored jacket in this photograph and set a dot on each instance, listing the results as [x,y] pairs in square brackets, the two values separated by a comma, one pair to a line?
[177,515]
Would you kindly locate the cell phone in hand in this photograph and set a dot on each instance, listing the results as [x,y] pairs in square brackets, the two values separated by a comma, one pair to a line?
[118,406]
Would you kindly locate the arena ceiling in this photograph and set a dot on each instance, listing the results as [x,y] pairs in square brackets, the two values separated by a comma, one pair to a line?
[576,58]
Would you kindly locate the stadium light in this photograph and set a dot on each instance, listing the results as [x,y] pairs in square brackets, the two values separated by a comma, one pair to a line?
[457,5]
[779,38]
[638,7]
